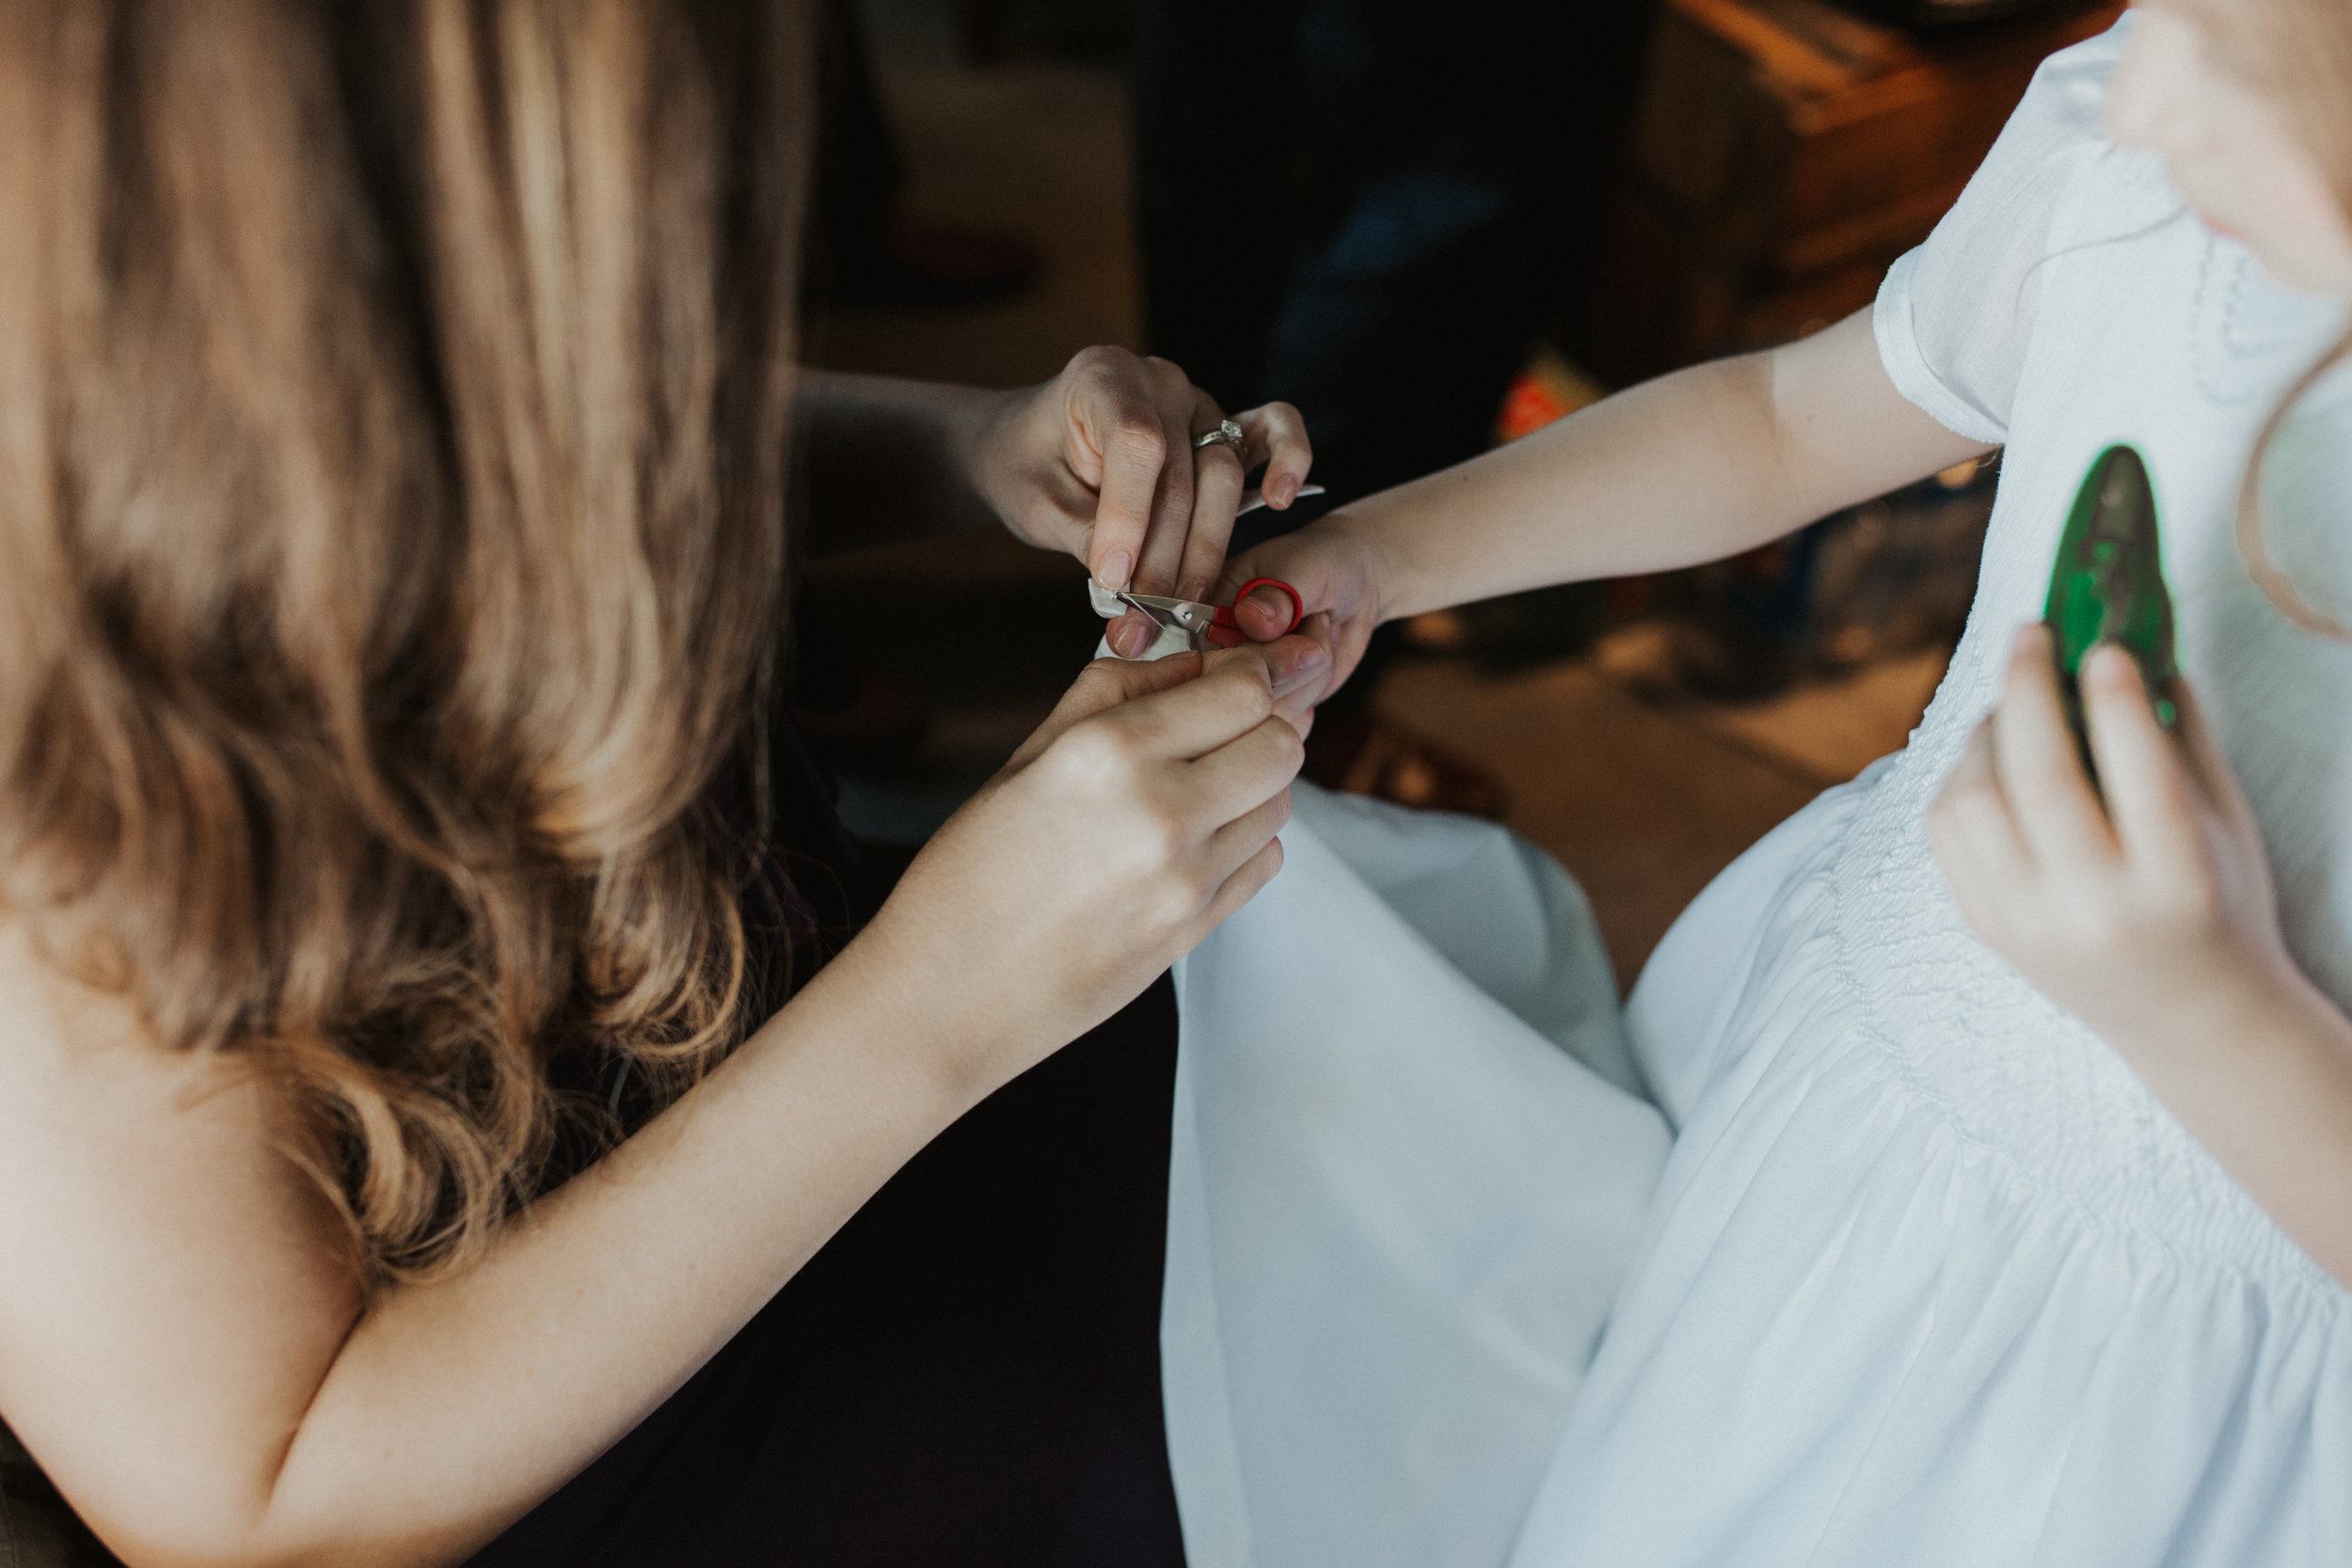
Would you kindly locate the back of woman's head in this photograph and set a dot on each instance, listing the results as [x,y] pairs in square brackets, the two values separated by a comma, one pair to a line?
[392,404]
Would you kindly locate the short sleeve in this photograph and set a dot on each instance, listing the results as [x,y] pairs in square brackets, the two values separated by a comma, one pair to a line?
[1954,316]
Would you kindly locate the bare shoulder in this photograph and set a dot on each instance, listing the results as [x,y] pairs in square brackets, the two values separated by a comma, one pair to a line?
[81,1085]
[42,1013]
[164,1268]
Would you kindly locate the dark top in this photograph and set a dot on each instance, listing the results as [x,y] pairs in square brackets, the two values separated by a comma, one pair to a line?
[968,1372]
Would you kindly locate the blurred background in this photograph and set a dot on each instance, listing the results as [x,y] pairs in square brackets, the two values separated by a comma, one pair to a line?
[1435,230]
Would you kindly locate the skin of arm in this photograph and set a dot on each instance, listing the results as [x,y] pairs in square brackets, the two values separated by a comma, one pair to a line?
[185,1347]
[884,461]
[2151,916]
[1693,466]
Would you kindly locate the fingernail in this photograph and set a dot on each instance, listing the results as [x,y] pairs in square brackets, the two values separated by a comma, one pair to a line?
[1289,492]
[1302,665]
[1127,641]
[1115,570]
[1197,590]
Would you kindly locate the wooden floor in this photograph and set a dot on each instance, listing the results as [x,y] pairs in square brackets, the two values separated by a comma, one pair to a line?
[1646,800]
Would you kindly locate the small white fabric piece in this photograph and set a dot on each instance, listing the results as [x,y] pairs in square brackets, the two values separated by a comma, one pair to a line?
[1107,604]
[1170,641]
[1410,1168]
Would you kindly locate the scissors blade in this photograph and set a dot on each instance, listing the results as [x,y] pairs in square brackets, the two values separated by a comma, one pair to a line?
[1188,620]
[1180,620]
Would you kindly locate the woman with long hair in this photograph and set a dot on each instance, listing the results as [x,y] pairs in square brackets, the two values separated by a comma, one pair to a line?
[415,1058]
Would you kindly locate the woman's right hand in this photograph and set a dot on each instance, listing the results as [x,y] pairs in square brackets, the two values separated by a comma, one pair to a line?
[1140,814]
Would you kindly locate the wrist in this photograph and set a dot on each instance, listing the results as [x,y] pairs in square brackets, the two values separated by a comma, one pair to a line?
[939,977]
[2230,1014]
[1397,583]
[893,1004]
[976,432]
[1008,441]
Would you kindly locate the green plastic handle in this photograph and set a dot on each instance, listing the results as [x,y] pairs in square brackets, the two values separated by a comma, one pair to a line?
[2108,585]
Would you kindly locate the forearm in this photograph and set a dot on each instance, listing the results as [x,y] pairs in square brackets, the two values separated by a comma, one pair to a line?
[2261,1075]
[453,1407]
[882,461]
[1690,467]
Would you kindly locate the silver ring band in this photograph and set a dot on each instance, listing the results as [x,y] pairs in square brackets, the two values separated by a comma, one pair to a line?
[1227,434]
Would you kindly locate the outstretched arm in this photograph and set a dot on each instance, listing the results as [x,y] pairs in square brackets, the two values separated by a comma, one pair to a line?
[1690,467]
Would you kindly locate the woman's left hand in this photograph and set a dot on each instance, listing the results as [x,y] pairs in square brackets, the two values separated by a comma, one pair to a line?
[2152,917]
[1100,462]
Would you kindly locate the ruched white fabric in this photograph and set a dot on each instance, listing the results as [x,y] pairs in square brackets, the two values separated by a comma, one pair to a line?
[1928,1277]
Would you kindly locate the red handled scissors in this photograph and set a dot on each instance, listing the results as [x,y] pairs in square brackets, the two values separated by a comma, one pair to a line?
[1207,625]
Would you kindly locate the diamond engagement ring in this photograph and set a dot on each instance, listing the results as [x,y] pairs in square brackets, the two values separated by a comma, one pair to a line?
[1227,434]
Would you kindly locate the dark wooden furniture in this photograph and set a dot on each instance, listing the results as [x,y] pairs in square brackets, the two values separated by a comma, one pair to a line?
[1782,154]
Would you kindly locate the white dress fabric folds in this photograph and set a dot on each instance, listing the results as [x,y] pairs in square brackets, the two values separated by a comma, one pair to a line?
[1410,1166]
[1926,1276]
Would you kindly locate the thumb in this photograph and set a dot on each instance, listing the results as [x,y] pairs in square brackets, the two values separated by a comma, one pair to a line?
[1304,559]
[1265,613]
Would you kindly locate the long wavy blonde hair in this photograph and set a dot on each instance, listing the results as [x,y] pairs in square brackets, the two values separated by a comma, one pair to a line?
[393,400]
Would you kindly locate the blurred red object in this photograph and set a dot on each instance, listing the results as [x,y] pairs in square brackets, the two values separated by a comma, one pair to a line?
[1528,407]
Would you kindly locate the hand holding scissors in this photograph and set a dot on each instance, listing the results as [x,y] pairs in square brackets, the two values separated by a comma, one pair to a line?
[1188,624]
